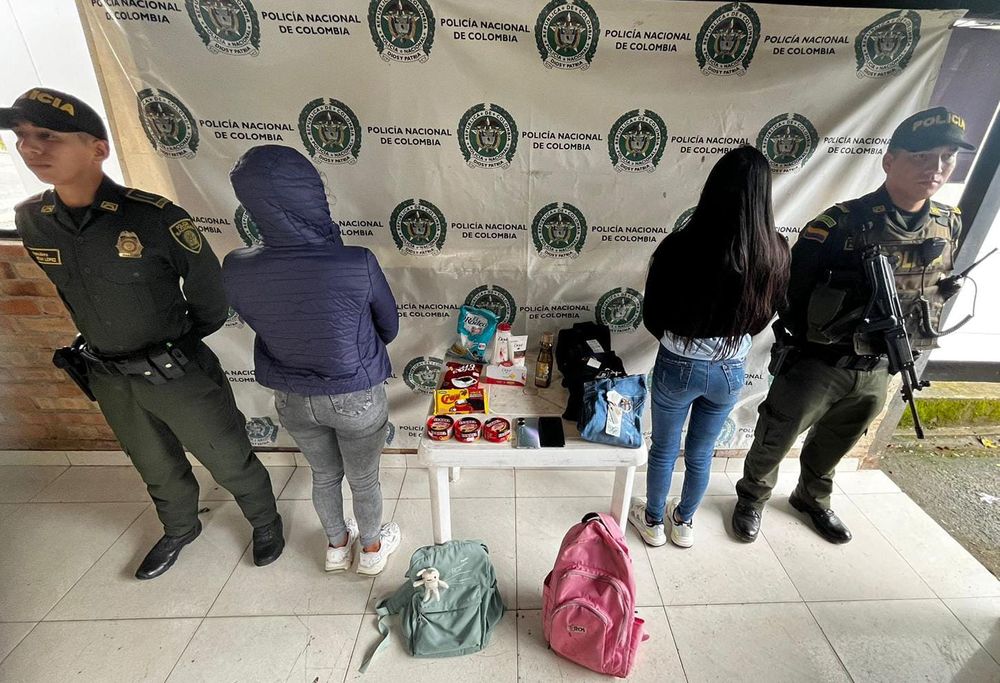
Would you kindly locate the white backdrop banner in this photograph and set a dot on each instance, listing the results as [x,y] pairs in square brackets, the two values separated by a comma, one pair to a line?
[520,155]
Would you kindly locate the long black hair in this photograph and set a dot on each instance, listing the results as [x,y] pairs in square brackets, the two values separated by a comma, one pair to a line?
[736,263]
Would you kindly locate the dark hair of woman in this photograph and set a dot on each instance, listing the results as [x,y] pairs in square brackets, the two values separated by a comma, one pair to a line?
[726,272]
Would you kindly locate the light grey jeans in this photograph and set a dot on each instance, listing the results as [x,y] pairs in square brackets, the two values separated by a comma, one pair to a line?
[341,435]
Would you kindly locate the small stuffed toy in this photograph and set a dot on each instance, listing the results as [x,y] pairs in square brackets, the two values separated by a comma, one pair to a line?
[431,580]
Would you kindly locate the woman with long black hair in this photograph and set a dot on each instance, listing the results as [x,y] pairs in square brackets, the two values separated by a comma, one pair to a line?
[710,287]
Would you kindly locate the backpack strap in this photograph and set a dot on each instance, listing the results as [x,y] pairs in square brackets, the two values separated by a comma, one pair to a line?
[385,608]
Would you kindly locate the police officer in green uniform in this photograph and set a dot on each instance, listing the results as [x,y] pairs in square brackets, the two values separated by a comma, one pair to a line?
[117,256]
[832,380]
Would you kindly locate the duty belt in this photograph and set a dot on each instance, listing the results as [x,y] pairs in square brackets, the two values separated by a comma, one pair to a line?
[845,361]
[157,364]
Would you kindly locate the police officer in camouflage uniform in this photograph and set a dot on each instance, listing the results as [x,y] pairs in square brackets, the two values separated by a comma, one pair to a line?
[833,380]
[116,256]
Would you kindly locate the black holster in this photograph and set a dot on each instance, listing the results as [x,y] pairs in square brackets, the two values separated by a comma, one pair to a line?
[70,360]
[784,353]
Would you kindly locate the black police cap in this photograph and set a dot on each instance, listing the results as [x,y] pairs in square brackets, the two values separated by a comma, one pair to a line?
[56,111]
[928,129]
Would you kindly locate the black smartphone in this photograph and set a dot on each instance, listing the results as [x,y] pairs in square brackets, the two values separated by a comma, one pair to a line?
[550,432]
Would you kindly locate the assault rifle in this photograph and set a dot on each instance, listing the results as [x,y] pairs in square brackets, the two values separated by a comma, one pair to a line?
[884,317]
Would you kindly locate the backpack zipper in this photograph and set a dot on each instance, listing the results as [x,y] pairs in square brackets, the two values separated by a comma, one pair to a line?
[619,589]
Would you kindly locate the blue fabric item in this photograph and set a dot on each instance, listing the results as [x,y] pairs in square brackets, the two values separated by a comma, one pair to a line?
[323,312]
[706,389]
[594,417]
[706,348]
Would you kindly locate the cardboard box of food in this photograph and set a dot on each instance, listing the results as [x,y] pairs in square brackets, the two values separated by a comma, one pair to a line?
[460,390]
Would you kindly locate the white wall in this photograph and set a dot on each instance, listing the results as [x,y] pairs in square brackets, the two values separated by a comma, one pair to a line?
[42,43]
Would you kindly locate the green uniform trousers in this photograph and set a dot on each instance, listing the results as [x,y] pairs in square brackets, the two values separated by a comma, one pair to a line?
[835,404]
[199,411]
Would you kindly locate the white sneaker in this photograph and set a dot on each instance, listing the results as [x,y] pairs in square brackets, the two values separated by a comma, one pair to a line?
[652,535]
[681,534]
[373,563]
[339,559]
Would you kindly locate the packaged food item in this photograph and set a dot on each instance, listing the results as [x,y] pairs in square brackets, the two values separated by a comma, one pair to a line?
[496,430]
[511,375]
[460,390]
[501,345]
[518,348]
[476,327]
[439,427]
[467,429]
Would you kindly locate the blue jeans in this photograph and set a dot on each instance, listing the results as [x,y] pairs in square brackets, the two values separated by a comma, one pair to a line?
[709,390]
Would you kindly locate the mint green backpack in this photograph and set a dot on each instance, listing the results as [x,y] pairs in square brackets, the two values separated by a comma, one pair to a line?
[449,604]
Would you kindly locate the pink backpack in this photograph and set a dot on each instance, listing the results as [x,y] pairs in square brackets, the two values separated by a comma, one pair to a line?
[588,602]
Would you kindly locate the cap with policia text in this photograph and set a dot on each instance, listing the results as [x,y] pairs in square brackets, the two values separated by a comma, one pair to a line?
[54,110]
[929,129]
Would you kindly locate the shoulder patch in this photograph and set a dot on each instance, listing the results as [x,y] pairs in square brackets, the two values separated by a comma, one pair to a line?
[816,233]
[186,234]
[826,220]
[957,211]
[147,198]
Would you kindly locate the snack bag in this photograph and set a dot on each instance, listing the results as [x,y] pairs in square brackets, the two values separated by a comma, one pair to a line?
[476,327]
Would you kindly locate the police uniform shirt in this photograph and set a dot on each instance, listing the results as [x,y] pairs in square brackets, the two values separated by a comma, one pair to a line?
[118,267]
[833,243]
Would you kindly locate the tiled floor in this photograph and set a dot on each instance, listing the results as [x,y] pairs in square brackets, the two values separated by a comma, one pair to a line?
[902,602]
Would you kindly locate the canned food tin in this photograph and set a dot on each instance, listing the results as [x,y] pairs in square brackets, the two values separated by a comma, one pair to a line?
[439,427]
[496,430]
[467,429]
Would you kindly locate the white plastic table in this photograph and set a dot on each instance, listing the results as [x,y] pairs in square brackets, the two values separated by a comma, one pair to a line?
[444,459]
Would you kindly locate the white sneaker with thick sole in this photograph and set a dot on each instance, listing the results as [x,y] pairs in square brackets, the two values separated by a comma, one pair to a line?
[681,534]
[651,535]
[339,559]
[373,563]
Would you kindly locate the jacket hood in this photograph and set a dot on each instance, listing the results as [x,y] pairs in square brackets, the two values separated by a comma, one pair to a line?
[284,195]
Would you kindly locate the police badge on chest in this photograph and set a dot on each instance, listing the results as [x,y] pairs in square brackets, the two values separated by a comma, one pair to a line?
[129,245]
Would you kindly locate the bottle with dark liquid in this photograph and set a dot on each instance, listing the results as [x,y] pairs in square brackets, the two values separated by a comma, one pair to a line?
[543,368]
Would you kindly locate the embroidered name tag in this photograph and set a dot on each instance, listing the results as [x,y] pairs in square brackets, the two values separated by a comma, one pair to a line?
[46,257]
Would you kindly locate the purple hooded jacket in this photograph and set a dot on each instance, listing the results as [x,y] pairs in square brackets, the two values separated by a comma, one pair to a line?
[323,312]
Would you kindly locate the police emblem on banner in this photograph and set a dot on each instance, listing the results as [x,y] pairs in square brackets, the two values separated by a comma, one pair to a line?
[487,136]
[403,30]
[228,27]
[330,131]
[885,47]
[728,434]
[418,227]
[421,374]
[233,319]
[637,140]
[168,124]
[620,309]
[249,232]
[684,219]
[390,433]
[566,33]
[559,230]
[494,298]
[262,431]
[787,140]
[727,40]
